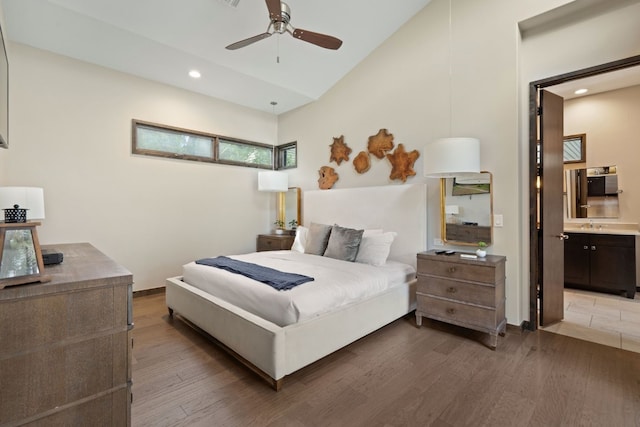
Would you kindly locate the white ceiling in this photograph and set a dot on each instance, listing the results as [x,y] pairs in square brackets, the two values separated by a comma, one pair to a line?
[601,83]
[162,40]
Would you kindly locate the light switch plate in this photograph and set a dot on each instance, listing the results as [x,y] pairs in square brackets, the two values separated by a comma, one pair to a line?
[498,221]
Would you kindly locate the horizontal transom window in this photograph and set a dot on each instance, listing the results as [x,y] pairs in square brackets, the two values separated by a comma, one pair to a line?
[152,139]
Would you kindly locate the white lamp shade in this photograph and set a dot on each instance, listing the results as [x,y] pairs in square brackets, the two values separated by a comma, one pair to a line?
[273,181]
[451,209]
[31,198]
[449,157]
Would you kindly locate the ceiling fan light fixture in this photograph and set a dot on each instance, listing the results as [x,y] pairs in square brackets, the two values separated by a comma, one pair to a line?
[279,16]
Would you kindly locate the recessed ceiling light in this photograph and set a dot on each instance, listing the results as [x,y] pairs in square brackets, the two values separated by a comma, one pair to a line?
[194,74]
[581,91]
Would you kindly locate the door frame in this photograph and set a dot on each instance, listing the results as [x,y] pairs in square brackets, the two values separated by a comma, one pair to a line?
[535,264]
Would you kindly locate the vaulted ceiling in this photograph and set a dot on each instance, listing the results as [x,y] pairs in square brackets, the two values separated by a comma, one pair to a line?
[162,40]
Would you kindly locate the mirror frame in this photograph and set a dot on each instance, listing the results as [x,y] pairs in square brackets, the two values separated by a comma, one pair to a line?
[282,208]
[443,217]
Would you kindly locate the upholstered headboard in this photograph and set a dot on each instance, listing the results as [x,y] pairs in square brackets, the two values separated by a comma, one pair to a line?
[399,208]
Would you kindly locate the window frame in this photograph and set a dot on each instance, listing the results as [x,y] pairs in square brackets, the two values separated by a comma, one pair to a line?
[281,154]
[215,149]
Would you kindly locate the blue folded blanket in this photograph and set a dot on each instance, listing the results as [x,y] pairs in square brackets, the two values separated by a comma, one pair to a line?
[278,280]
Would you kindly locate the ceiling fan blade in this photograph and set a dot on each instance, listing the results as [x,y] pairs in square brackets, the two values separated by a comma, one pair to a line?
[322,40]
[247,42]
[274,10]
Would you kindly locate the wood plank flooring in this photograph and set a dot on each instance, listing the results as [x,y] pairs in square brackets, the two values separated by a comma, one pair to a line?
[438,375]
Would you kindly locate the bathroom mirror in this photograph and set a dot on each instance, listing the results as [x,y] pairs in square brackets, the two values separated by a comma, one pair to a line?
[592,192]
[292,207]
[466,206]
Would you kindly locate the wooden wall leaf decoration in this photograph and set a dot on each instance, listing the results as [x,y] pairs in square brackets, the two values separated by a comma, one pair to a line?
[362,162]
[380,143]
[328,177]
[402,163]
[339,150]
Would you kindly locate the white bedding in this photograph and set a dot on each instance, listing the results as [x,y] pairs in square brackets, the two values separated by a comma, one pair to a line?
[336,283]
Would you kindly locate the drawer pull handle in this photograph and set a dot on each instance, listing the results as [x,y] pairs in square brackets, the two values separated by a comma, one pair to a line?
[451,311]
[452,290]
[451,269]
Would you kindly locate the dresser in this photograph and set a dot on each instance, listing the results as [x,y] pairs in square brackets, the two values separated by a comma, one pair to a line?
[463,292]
[274,242]
[65,357]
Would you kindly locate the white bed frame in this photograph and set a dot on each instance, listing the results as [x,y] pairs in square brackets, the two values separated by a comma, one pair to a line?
[273,351]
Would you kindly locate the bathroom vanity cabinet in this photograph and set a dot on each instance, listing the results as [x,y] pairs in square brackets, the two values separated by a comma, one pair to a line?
[601,262]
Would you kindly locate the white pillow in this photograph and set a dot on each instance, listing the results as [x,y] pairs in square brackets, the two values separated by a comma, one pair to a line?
[375,248]
[300,240]
[372,231]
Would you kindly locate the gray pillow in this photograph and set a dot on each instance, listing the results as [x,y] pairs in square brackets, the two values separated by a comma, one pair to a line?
[317,239]
[343,243]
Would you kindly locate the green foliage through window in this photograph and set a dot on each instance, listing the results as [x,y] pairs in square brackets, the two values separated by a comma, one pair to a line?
[165,141]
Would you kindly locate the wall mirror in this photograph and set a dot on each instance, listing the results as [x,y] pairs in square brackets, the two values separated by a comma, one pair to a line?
[592,192]
[292,207]
[466,205]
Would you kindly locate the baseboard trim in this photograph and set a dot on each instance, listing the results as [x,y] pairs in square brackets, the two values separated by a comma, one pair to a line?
[146,292]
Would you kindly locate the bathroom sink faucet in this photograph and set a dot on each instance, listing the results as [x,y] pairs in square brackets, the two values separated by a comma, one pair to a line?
[590,223]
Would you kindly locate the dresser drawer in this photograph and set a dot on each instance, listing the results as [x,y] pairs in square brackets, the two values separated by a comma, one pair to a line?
[460,291]
[457,313]
[446,269]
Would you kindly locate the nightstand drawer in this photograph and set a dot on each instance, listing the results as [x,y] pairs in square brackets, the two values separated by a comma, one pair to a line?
[474,273]
[277,242]
[457,313]
[459,291]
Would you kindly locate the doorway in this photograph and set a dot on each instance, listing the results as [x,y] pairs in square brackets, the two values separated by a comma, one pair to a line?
[538,290]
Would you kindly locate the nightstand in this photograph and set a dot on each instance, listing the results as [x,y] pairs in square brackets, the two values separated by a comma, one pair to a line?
[274,242]
[464,292]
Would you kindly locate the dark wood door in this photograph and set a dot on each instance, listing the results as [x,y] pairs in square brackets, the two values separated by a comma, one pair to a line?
[577,251]
[551,218]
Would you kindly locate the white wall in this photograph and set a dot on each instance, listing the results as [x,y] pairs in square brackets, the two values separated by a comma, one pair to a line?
[71,134]
[404,86]
[4,153]
[611,121]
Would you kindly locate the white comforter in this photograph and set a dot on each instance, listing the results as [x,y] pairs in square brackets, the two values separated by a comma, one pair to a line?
[336,284]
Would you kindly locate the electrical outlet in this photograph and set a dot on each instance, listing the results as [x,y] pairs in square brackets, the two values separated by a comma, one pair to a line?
[437,242]
[498,221]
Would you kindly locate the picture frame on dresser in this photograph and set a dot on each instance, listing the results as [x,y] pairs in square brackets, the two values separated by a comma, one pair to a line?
[20,254]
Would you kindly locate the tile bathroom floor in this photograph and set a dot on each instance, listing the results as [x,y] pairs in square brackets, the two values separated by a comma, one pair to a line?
[606,319]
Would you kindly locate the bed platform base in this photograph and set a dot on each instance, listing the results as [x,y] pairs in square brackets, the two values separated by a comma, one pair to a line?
[272,351]
[275,384]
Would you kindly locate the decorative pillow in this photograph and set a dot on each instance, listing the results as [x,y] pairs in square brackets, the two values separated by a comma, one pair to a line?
[343,243]
[317,239]
[375,248]
[300,240]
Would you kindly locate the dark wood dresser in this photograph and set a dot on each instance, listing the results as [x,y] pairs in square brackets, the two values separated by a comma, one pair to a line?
[274,242]
[463,292]
[65,353]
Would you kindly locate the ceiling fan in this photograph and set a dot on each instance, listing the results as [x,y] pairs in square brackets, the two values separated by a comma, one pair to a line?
[280,14]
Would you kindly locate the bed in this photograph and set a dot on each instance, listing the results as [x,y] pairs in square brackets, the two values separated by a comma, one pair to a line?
[277,347]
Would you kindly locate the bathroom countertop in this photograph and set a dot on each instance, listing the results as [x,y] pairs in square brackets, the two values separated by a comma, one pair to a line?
[603,228]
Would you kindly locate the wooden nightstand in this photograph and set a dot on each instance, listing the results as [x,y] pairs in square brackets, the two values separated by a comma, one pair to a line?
[463,292]
[274,242]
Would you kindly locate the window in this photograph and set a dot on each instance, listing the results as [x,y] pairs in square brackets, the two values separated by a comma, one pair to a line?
[575,148]
[238,152]
[152,139]
[287,155]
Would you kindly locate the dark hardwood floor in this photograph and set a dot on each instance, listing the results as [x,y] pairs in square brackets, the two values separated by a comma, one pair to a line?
[438,375]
